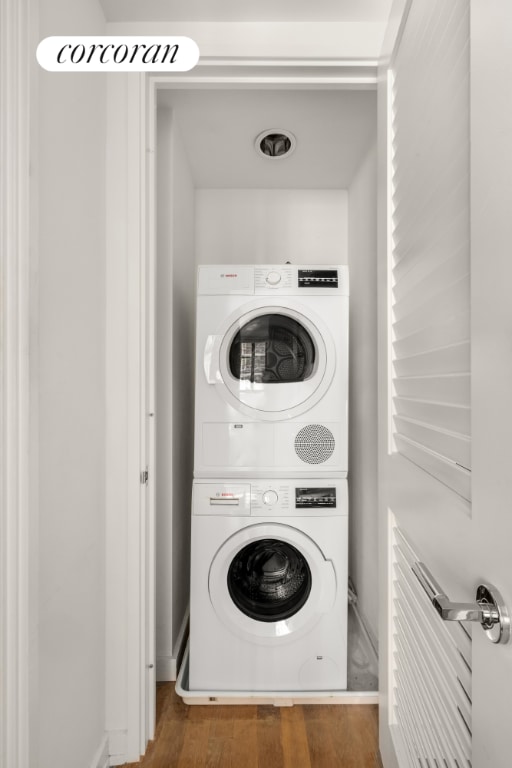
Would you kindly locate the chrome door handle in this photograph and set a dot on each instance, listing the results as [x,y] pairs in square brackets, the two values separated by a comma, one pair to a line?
[489,610]
[483,612]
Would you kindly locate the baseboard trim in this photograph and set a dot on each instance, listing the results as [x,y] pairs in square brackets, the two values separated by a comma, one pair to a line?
[167,667]
[101,759]
[117,747]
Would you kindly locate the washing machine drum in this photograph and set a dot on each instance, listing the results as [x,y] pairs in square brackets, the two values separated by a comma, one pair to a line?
[272,349]
[269,580]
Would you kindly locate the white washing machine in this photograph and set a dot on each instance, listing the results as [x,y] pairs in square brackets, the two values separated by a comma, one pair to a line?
[271,371]
[268,608]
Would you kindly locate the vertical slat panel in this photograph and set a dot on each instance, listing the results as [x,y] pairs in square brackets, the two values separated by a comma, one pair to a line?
[432,673]
[430,240]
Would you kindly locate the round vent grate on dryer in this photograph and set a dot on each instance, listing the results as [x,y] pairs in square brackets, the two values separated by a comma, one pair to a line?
[314,444]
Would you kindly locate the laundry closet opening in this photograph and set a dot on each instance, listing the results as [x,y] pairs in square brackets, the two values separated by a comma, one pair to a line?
[221,201]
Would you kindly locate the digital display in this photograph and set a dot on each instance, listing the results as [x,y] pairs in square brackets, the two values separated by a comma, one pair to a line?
[315,497]
[318,278]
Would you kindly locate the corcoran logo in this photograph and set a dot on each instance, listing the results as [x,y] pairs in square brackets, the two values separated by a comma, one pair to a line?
[115,53]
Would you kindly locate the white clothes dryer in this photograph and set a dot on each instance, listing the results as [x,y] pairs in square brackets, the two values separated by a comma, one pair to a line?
[268,607]
[271,371]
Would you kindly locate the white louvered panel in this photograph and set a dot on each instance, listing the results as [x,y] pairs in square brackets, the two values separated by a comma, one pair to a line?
[429,224]
[450,417]
[418,742]
[445,742]
[448,656]
[430,242]
[441,37]
[422,284]
[437,674]
[437,335]
[413,271]
[448,473]
[442,306]
[427,722]
[448,388]
[461,640]
[432,672]
[447,157]
[401,719]
[460,649]
[444,360]
[439,441]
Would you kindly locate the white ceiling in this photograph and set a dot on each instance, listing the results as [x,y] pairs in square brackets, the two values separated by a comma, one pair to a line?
[334,130]
[235,10]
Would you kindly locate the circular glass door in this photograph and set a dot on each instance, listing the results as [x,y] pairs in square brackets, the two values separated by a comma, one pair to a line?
[269,580]
[275,361]
[272,349]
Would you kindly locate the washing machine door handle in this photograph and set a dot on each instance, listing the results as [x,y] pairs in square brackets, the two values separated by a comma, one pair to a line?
[211,360]
[328,591]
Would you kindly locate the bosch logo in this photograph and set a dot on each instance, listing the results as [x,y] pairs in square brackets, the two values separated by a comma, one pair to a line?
[233,275]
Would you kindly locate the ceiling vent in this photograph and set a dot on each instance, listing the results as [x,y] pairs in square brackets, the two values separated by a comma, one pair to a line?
[275,143]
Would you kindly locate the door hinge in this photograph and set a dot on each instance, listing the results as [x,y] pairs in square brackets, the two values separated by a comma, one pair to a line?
[144,477]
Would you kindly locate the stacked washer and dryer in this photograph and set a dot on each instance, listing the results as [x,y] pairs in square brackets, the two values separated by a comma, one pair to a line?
[268,608]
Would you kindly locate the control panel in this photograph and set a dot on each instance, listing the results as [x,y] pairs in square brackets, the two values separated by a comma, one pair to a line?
[292,279]
[268,279]
[268,498]
[315,497]
[318,278]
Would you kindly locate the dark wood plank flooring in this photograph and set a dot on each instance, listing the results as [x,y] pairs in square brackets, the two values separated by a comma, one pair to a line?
[305,736]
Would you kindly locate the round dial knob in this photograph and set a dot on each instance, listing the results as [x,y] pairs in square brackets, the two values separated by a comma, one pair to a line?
[270,497]
[273,278]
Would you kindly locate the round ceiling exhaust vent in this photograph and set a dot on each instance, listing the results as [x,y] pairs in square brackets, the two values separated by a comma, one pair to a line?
[275,143]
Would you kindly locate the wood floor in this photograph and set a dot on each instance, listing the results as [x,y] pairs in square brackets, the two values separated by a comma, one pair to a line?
[308,736]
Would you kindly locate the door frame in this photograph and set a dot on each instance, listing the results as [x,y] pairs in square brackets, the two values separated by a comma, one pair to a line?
[398,17]
[18,503]
[130,355]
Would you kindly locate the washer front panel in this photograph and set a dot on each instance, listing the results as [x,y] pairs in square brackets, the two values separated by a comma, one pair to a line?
[320,598]
[284,529]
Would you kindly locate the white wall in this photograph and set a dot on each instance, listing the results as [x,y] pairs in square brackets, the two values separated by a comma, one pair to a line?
[362,245]
[258,226]
[69,573]
[175,324]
